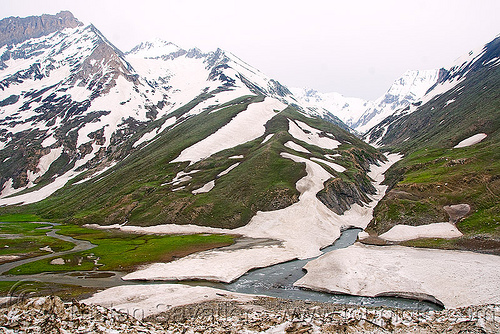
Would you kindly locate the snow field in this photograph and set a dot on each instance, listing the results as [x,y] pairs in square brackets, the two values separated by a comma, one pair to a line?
[452,277]
[436,230]
[141,301]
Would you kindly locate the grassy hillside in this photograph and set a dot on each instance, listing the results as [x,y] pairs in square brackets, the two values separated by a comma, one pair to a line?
[434,174]
[139,190]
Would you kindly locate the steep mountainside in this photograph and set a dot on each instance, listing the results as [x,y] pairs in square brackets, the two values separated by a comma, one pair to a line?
[451,139]
[361,115]
[71,101]
[63,107]
[159,135]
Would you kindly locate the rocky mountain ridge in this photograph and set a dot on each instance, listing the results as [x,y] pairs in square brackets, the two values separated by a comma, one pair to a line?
[15,30]
[76,99]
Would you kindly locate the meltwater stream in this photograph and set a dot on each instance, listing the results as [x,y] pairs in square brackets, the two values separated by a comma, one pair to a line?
[278,280]
[274,281]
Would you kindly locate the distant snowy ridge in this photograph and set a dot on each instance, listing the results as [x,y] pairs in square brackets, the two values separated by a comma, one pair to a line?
[408,89]
[153,49]
[413,89]
[347,109]
[361,115]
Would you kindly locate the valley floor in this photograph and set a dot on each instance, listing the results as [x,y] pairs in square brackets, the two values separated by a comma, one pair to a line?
[450,278]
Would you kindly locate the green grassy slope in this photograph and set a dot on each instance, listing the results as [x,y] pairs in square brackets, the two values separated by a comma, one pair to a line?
[138,190]
[434,174]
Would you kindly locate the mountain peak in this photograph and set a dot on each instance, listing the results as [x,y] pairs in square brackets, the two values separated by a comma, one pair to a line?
[154,48]
[15,30]
[413,83]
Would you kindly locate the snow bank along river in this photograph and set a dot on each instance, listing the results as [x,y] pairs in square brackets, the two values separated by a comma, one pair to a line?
[275,281]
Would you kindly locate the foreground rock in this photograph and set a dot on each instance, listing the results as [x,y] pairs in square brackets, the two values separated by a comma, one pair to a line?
[50,315]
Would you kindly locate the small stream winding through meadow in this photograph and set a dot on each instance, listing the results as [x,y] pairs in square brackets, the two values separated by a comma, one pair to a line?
[275,281]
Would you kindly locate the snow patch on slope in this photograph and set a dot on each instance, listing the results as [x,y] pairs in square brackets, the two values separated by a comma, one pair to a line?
[477,138]
[8,188]
[246,126]
[296,147]
[226,171]
[205,189]
[334,166]
[42,193]
[44,164]
[153,133]
[310,135]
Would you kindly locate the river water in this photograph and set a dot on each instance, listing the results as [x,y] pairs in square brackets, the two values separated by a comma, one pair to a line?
[274,281]
[278,280]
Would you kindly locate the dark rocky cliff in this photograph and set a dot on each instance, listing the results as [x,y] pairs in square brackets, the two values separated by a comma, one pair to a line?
[339,195]
[16,30]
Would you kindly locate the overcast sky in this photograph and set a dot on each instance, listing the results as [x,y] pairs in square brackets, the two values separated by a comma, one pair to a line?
[356,48]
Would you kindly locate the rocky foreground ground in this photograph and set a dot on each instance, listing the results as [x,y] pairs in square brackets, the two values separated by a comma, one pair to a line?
[49,315]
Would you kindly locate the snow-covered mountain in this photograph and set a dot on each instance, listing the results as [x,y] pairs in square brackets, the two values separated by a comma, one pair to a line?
[448,89]
[347,109]
[361,115]
[71,99]
[91,129]
[407,89]
[182,75]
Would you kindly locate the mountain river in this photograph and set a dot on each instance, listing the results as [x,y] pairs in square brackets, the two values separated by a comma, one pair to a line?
[275,281]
